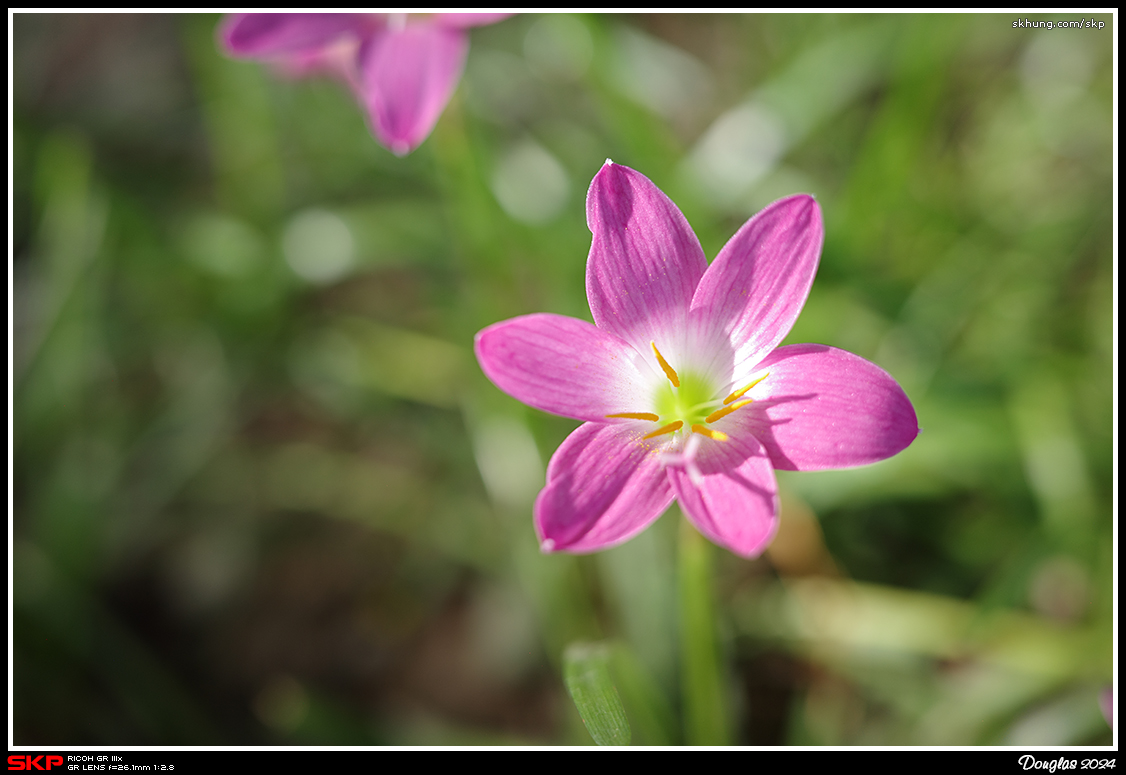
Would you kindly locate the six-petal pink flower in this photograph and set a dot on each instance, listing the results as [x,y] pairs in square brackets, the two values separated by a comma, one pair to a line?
[682,387]
[402,69]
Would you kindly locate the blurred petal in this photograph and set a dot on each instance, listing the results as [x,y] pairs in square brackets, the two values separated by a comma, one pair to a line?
[270,35]
[756,288]
[470,19]
[734,501]
[605,484]
[337,59]
[407,77]
[645,260]
[561,365]
[826,408]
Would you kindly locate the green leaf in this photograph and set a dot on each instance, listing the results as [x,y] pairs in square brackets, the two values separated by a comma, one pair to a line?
[586,671]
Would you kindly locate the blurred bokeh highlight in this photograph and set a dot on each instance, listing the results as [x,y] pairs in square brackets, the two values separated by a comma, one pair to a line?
[262,494]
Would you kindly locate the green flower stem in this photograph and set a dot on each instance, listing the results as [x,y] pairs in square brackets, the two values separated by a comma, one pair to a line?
[705,706]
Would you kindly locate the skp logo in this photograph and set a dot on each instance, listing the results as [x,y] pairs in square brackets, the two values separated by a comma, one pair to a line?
[41,762]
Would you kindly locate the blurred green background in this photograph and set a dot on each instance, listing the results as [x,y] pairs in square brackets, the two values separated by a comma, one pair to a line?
[263,494]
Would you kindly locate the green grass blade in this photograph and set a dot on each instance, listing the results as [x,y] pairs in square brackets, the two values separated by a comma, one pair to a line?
[586,671]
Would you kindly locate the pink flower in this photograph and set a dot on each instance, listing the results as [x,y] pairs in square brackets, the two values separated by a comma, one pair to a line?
[680,381]
[402,70]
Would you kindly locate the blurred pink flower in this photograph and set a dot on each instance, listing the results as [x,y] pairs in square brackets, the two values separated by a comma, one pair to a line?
[403,69]
[684,391]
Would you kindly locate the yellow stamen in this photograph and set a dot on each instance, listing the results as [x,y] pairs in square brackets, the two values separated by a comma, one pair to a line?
[635,416]
[672,427]
[739,393]
[718,413]
[669,371]
[714,435]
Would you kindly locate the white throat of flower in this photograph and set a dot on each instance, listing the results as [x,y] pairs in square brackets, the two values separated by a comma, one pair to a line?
[687,404]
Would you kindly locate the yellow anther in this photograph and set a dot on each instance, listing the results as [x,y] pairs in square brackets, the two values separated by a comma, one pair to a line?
[739,393]
[635,416]
[672,427]
[670,372]
[723,412]
[714,435]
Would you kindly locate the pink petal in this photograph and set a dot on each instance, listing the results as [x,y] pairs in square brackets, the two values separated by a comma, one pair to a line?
[735,503]
[754,290]
[561,365]
[826,408]
[471,19]
[605,484]
[644,263]
[273,35]
[407,77]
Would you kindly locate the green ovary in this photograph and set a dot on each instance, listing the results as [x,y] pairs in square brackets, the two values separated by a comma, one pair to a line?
[693,401]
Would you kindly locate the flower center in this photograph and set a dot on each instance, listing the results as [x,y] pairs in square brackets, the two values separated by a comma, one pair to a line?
[688,400]
[690,403]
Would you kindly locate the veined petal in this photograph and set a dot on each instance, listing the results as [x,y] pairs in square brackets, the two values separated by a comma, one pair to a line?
[756,287]
[562,365]
[605,484]
[734,500]
[406,78]
[272,35]
[645,260]
[826,408]
[471,19]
